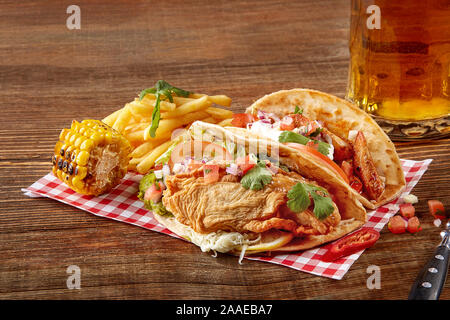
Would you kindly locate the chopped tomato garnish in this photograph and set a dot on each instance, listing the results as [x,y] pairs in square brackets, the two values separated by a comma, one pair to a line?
[242,119]
[407,210]
[287,124]
[414,225]
[437,209]
[245,163]
[397,224]
[357,241]
[323,158]
[154,192]
[312,127]
[356,184]
[194,164]
[211,173]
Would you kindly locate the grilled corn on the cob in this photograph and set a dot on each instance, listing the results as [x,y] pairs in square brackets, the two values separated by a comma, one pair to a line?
[91,157]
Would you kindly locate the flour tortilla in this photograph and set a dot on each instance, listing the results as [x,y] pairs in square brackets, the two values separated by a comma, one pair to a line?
[341,116]
[353,214]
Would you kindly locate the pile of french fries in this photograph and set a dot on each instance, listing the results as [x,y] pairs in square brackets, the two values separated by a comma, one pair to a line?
[134,120]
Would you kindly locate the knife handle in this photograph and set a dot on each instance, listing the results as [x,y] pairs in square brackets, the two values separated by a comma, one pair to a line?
[431,279]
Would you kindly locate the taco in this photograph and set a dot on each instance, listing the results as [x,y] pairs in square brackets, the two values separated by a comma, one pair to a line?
[333,133]
[226,192]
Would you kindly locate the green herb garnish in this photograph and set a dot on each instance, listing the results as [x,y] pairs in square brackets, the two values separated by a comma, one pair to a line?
[298,110]
[257,177]
[289,136]
[162,90]
[299,199]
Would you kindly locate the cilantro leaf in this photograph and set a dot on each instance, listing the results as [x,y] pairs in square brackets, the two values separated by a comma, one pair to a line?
[299,199]
[316,133]
[257,177]
[298,110]
[162,90]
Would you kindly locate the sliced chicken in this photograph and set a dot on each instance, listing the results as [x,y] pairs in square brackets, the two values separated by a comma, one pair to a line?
[365,168]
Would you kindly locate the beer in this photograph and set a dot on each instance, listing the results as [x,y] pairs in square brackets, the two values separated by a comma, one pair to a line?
[400,64]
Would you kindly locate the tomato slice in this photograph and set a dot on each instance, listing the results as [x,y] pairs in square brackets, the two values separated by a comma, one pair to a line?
[323,158]
[397,225]
[437,209]
[414,225]
[407,210]
[198,150]
[211,173]
[242,119]
[357,241]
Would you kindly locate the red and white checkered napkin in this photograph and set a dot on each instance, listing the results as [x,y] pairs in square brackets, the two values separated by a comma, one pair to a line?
[121,204]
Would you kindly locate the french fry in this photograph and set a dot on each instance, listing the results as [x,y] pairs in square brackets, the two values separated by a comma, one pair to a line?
[191,106]
[225,123]
[109,120]
[148,161]
[219,113]
[182,100]
[122,119]
[221,100]
[145,148]
[150,100]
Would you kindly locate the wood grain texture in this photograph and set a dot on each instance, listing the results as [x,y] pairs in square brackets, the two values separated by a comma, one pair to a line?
[50,75]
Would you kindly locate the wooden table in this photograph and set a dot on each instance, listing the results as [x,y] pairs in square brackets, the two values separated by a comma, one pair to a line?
[50,75]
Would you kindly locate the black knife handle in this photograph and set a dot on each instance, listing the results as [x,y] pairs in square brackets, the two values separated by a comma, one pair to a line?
[431,279]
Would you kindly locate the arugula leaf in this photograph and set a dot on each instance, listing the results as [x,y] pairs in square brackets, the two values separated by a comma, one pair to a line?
[299,199]
[257,177]
[298,110]
[162,90]
[289,136]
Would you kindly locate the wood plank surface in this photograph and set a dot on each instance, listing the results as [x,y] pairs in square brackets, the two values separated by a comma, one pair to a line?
[50,75]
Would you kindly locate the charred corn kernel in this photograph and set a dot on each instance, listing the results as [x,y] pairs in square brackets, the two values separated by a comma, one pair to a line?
[78,184]
[82,158]
[63,134]
[79,157]
[81,172]
[87,144]
[79,141]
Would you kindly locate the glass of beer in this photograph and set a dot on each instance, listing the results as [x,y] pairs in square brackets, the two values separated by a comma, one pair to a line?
[400,65]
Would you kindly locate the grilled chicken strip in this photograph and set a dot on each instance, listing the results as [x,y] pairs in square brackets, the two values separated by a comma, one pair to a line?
[226,205]
[365,168]
[342,149]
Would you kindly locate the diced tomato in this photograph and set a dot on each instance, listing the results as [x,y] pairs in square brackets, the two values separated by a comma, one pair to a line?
[397,224]
[194,164]
[287,124]
[357,241]
[245,163]
[347,168]
[356,184]
[242,119]
[312,127]
[437,209]
[414,225]
[211,173]
[407,210]
[154,192]
[324,159]
[158,166]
